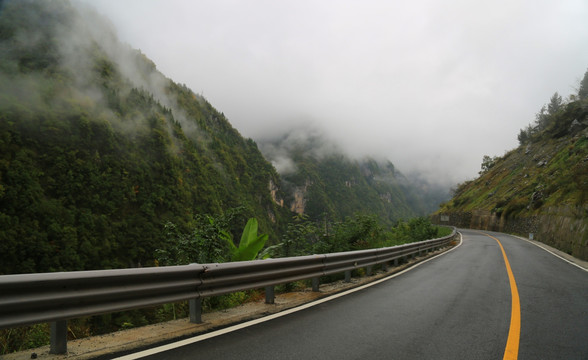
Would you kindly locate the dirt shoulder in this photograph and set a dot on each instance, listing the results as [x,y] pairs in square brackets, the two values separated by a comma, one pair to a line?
[136,338]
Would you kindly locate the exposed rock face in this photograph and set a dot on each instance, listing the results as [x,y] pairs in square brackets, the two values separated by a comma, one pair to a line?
[299,202]
[387,197]
[575,126]
[273,188]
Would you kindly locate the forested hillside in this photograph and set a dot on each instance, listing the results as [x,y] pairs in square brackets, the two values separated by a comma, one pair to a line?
[98,149]
[101,155]
[323,183]
[541,187]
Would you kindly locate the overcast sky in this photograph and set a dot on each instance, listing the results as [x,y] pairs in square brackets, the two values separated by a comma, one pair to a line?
[431,85]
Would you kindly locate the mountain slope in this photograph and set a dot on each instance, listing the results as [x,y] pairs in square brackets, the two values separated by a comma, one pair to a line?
[98,149]
[320,181]
[541,187]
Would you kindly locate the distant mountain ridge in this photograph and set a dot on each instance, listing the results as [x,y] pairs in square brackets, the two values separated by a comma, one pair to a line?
[321,182]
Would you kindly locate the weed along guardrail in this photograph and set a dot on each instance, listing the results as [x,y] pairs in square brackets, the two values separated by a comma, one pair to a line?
[27,299]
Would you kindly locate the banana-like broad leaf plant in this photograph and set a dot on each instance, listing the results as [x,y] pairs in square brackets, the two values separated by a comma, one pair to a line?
[250,244]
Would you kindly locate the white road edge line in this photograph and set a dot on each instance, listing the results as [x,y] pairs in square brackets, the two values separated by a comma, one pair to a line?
[551,252]
[229,329]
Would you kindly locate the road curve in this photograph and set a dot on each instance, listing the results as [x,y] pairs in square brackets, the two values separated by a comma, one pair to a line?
[457,306]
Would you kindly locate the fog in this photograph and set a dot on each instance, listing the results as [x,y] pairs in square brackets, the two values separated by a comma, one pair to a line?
[430,85]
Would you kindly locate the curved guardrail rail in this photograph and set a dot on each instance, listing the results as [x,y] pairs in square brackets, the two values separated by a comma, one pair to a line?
[55,297]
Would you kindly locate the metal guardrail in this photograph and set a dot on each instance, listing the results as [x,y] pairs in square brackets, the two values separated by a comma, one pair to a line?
[55,297]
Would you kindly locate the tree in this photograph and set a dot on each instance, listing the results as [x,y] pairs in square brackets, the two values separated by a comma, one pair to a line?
[546,115]
[302,237]
[583,91]
[487,163]
[208,242]
[555,104]
[525,135]
[541,118]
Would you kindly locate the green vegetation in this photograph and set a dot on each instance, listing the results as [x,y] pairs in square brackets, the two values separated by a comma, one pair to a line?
[250,244]
[304,237]
[207,243]
[549,169]
[210,241]
[17,339]
[583,90]
[94,160]
[328,186]
[105,163]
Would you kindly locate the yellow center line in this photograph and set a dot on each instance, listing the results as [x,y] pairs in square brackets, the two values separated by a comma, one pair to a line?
[511,351]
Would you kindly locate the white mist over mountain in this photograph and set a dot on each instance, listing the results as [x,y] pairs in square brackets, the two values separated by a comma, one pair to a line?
[432,86]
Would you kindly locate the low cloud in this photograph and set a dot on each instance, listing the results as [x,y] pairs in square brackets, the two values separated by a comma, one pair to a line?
[284,165]
[431,86]
[75,43]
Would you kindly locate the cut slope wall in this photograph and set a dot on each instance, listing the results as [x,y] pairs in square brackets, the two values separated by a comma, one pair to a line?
[565,228]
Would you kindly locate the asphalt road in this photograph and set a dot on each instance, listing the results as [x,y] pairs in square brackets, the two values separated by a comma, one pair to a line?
[457,306]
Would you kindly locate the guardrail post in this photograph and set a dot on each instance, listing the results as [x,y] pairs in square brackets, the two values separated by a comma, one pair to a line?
[58,337]
[269,295]
[315,284]
[396,262]
[385,266]
[348,276]
[368,270]
[195,310]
